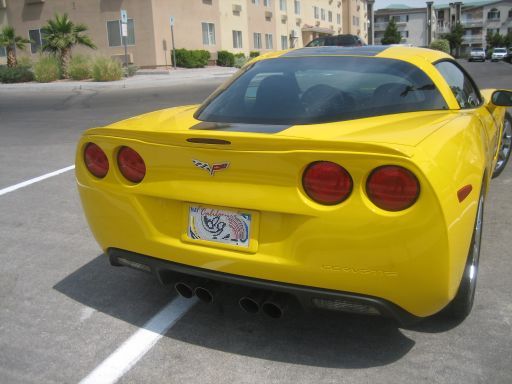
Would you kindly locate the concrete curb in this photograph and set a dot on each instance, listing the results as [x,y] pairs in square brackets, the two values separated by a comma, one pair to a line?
[146,79]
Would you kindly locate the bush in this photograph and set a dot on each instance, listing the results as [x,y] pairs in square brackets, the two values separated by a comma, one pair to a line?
[24,61]
[254,53]
[47,69]
[225,59]
[239,55]
[192,58]
[80,67]
[17,74]
[106,69]
[240,61]
[440,45]
[130,70]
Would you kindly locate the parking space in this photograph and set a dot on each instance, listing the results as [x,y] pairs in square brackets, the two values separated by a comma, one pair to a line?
[64,310]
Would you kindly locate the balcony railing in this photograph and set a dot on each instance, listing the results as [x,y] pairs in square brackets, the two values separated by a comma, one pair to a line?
[472,23]
[471,39]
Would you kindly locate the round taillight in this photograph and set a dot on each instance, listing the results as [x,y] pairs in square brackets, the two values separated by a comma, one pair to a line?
[327,183]
[392,188]
[95,160]
[131,165]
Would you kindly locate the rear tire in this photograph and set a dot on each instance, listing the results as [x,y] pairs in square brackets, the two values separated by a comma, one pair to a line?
[460,307]
[505,146]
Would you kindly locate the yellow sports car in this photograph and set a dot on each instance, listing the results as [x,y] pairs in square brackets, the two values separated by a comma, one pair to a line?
[350,179]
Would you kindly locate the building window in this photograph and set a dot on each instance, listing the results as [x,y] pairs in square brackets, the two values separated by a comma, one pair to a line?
[208,33]
[338,18]
[114,33]
[492,31]
[355,20]
[282,5]
[322,13]
[296,5]
[510,13]
[316,13]
[256,2]
[284,42]
[257,40]
[404,33]
[329,16]
[267,3]
[237,39]
[36,42]
[268,41]
[493,14]
[3,52]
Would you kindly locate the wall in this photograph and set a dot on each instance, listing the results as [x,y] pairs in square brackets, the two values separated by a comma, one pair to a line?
[95,14]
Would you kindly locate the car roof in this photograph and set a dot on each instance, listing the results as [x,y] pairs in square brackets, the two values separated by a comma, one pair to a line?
[409,54]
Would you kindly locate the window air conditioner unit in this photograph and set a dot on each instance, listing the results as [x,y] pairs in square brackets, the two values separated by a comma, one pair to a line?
[298,20]
[317,23]
[34,2]
[237,8]
[284,18]
[268,14]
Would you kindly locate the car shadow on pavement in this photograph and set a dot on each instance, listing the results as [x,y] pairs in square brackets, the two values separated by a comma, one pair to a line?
[319,338]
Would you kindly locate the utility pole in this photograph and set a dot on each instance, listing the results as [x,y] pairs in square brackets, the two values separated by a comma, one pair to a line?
[171,20]
[124,34]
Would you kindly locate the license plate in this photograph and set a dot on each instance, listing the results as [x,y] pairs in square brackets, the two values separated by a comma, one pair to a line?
[219,226]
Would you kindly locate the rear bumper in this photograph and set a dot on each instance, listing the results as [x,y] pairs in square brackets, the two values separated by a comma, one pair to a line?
[309,297]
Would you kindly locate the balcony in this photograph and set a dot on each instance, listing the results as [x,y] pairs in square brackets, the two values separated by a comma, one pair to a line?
[472,23]
[380,26]
[472,39]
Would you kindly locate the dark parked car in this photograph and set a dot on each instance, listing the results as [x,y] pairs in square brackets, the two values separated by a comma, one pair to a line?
[338,40]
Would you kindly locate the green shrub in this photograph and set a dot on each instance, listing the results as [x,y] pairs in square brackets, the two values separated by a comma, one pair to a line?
[192,58]
[106,69]
[225,59]
[80,67]
[130,70]
[17,74]
[240,61]
[24,61]
[239,55]
[440,45]
[47,69]
[254,53]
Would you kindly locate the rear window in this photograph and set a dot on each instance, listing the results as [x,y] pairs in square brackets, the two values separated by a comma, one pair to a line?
[310,90]
[500,50]
[477,50]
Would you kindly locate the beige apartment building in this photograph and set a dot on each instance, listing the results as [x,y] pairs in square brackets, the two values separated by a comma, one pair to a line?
[214,25]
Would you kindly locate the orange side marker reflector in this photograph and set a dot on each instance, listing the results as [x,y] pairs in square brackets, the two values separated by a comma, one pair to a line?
[464,192]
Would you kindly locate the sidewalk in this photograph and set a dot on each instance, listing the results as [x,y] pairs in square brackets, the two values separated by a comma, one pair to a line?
[146,78]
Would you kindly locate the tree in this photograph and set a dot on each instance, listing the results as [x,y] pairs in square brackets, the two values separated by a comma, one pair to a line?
[391,34]
[495,40]
[11,42]
[60,35]
[455,38]
[440,45]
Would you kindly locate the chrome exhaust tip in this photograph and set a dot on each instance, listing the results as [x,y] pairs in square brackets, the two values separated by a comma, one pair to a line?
[251,303]
[275,306]
[186,287]
[207,292]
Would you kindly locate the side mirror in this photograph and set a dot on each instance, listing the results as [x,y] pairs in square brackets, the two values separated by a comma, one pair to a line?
[502,98]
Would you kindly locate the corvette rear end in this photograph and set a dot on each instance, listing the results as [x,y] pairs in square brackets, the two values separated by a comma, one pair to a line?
[349,203]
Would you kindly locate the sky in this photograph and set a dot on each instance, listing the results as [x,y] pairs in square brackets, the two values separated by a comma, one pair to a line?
[411,3]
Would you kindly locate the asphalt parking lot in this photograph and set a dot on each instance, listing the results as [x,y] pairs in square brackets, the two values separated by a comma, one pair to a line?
[64,311]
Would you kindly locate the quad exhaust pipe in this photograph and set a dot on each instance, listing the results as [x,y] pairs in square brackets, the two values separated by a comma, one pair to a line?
[271,304]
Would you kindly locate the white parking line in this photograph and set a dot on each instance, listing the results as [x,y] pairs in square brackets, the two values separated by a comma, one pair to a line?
[132,350]
[35,180]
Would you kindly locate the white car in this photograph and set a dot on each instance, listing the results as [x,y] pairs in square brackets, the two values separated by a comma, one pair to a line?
[477,54]
[498,54]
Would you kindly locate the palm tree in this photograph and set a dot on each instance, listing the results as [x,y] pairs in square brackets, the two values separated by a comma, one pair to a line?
[60,35]
[10,41]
